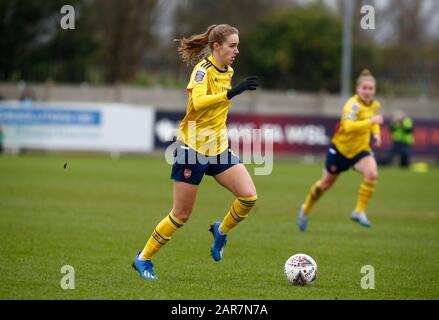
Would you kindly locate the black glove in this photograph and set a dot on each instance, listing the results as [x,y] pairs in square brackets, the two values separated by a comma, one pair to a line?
[248,84]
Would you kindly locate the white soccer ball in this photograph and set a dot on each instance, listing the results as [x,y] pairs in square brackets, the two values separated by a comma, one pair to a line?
[300,269]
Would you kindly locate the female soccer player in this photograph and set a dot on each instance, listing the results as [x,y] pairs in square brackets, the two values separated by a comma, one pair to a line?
[203,143]
[351,148]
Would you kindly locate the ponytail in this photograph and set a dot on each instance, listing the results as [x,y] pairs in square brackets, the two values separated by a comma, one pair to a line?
[192,49]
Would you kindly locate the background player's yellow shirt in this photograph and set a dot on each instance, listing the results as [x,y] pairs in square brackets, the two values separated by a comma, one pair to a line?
[353,135]
[204,126]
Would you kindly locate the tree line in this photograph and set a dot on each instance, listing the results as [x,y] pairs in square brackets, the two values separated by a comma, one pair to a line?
[289,44]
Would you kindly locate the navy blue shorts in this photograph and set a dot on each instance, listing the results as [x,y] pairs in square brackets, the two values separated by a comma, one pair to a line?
[190,166]
[337,163]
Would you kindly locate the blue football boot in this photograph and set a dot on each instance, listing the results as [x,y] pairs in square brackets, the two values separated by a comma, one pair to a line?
[219,242]
[144,268]
[361,218]
[302,219]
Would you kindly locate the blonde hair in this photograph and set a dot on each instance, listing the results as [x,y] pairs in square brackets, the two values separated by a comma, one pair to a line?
[197,46]
[365,75]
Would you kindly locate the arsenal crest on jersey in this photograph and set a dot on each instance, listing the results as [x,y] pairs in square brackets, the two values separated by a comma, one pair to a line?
[187,173]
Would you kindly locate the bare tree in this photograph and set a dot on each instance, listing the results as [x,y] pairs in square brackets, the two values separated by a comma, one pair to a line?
[124,31]
[196,15]
[408,20]
[411,19]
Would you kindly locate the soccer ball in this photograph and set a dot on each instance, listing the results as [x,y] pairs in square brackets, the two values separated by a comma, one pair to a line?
[300,269]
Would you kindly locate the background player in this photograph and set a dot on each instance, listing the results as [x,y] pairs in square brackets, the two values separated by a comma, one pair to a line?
[351,148]
[203,139]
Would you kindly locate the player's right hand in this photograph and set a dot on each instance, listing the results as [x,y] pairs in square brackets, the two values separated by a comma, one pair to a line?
[378,119]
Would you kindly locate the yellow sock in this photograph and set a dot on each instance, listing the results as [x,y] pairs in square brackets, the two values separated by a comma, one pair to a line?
[238,212]
[313,196]
[367,189]
[161,235]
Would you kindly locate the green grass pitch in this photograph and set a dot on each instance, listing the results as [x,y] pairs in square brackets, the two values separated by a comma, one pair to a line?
[96,213]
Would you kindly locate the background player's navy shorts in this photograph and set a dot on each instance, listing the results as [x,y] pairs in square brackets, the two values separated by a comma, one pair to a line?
[190,166]
[337,163]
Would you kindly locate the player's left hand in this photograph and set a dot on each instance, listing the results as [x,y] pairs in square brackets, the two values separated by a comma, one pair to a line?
[377,140]
[250,83]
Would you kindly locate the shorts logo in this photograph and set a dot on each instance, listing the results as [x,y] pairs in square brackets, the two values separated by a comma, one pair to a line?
[332,151]
[199,76]
[187,173]
[334,168]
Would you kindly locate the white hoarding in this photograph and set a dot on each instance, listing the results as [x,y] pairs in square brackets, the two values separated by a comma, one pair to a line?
[77,126]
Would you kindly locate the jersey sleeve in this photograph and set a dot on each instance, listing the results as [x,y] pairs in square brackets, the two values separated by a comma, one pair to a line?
[198,78]
[198,85]
[350,120]
[376,128]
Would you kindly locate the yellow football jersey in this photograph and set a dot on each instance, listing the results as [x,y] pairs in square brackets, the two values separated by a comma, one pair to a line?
[353,135]
[204,126]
